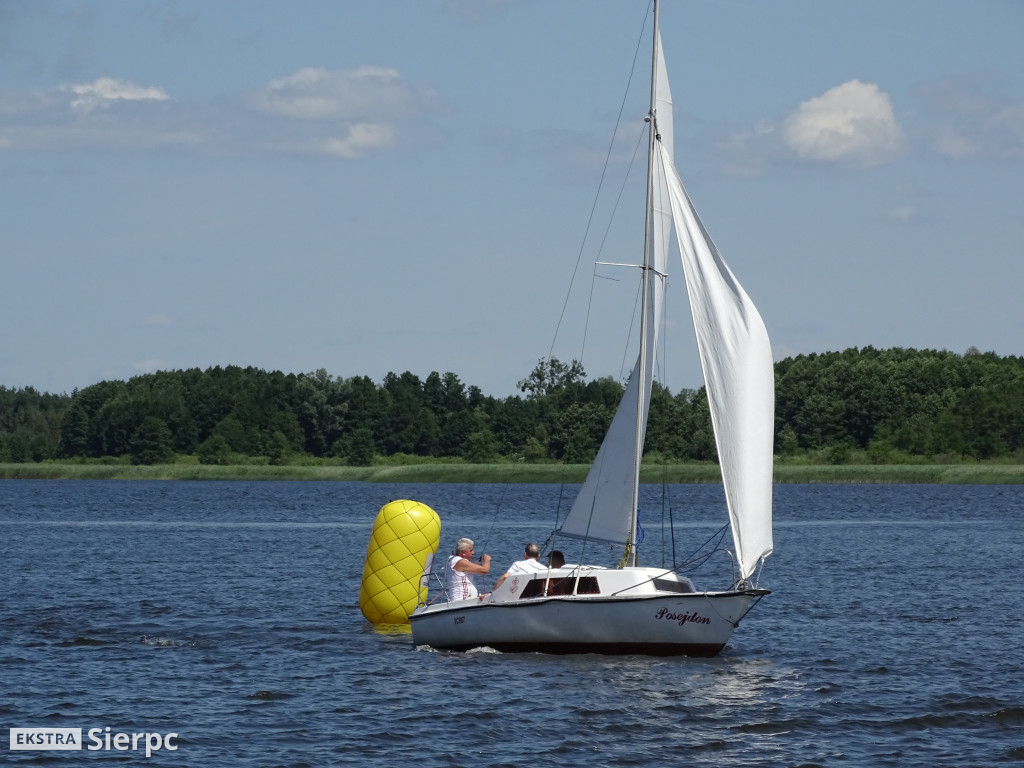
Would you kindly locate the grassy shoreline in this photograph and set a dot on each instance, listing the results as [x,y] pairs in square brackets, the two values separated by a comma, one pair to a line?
[974,474]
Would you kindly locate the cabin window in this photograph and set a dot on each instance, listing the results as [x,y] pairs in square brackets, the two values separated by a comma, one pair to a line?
[533,588]
[668,585]
[538,587]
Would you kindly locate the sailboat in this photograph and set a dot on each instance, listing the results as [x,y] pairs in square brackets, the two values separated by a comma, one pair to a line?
[633,608]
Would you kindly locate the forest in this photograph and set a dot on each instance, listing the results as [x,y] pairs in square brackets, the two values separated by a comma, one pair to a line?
[864,406]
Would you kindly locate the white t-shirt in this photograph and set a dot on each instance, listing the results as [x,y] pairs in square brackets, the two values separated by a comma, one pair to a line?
[458,584]
[530,565]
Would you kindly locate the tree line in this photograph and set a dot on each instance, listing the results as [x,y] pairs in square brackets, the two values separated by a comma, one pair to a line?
[856,406]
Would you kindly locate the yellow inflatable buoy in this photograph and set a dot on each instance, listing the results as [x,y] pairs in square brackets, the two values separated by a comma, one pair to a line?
[404,539]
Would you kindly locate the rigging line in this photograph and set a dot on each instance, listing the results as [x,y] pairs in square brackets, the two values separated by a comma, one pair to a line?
[625,350]
[497,509]
[749,609]
[649,580]
[711,606]
[760,567]
[558,509]
[672,531]
[693,561]
[661,351]
[622,188]
[604,238]
[664,506]
[600,184]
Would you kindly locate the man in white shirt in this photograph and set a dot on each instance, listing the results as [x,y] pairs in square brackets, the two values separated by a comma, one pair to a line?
[529,565]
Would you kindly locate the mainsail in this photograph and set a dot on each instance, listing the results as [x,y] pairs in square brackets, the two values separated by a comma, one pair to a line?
[604,509]
[735,355]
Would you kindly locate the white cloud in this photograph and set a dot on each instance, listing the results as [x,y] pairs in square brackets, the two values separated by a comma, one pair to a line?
[746,150]
[968,119]
[851,123]
[1011,120]
[103,92]
[343,94]
[335,113]
[158,319]
[109,135]
[363,105]
[358,140]
[953,145]
[361,137]
[903,214]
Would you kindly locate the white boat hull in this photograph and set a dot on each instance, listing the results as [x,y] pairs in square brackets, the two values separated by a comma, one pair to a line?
[663,624]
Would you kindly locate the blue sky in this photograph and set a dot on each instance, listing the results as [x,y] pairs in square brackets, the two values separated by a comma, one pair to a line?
[383,186]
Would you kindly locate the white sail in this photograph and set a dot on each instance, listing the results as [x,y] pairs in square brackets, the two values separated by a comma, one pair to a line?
[603,510]
[737,360]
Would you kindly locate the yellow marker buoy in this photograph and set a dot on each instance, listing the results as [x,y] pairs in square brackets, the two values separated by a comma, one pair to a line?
[404,539]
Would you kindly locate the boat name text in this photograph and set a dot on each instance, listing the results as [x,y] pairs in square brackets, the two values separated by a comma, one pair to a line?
[682,618]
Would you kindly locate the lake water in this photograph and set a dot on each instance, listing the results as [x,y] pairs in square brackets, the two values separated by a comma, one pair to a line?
[227,613]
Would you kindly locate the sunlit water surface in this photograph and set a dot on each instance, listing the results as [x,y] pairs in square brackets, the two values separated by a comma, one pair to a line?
[227,613]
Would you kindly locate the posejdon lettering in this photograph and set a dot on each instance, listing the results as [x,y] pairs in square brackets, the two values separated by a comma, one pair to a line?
[682,618]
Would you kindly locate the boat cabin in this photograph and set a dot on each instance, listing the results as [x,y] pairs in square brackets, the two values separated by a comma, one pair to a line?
[592,581]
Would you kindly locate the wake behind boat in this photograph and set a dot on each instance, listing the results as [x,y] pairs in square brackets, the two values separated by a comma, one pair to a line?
[634,609]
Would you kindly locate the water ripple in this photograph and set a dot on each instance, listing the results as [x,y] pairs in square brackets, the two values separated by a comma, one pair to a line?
[226,613]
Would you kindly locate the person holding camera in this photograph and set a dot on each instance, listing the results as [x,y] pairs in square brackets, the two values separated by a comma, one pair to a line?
[461,569]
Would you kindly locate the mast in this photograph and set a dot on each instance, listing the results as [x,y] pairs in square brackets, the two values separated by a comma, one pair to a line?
[629,558]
